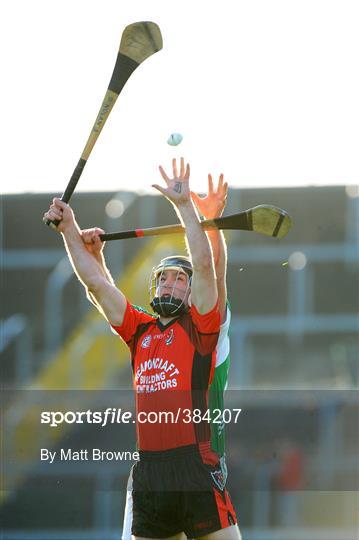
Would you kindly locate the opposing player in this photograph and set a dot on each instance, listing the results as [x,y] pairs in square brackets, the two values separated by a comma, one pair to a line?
[175,491]
[209,207]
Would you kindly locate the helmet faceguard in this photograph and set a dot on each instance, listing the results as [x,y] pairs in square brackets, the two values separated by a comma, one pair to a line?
[169,305]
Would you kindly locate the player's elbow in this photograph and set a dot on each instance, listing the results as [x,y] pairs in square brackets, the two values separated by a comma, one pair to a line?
[95,284]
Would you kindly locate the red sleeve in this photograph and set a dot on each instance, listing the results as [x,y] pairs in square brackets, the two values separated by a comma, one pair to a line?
[133,317]
[204,329]
[207,323]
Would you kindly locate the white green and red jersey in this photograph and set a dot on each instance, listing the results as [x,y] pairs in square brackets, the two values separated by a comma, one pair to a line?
[218,386]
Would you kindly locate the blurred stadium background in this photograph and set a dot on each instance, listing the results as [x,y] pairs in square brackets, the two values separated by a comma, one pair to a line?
[292,457]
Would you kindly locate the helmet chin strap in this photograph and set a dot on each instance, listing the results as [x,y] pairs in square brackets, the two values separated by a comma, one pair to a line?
[168,306]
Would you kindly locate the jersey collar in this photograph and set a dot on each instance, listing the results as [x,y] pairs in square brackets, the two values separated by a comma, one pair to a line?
[163,327]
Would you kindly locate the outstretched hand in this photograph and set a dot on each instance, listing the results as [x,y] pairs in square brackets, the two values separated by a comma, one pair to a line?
[212,205]
[177,190]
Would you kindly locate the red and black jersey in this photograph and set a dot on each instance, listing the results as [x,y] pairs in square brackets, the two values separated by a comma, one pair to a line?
[173,366]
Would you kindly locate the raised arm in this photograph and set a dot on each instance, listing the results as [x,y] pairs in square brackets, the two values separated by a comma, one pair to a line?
[204,288]
[212,206]
[94,245]
[86,264]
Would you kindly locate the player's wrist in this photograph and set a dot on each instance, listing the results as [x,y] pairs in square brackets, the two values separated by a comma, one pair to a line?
[211,215]
[183,203]
[187,208]
[71,230]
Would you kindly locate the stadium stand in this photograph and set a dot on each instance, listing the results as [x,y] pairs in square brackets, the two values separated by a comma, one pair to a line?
[294,353]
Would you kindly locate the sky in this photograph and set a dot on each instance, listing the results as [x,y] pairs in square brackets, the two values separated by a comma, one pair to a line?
[264,91]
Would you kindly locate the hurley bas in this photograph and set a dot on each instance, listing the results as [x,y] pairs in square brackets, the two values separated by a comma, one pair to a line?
[68,454]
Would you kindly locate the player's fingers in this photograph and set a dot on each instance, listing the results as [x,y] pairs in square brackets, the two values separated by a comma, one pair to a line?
[188,172]
[56,211]
[163,174]
[87,236]
[159,188]
[196,197]
[96,240]
[210,184]
[53,215]
[93,231]
[96,235]
[59,203]
[220,182]
[174,168]
[225,189]
[182,169]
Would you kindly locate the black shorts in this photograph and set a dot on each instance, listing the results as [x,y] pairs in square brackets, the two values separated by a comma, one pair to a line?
[179,490]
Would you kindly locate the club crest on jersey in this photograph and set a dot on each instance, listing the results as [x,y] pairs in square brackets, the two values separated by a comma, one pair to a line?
[218,479]
[146,342]
[170,337]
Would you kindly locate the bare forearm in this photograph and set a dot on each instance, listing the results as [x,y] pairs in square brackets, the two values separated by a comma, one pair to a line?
[106,272]
[197,241]
[91,272]
[85,265]
[204,292]
[219,249]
